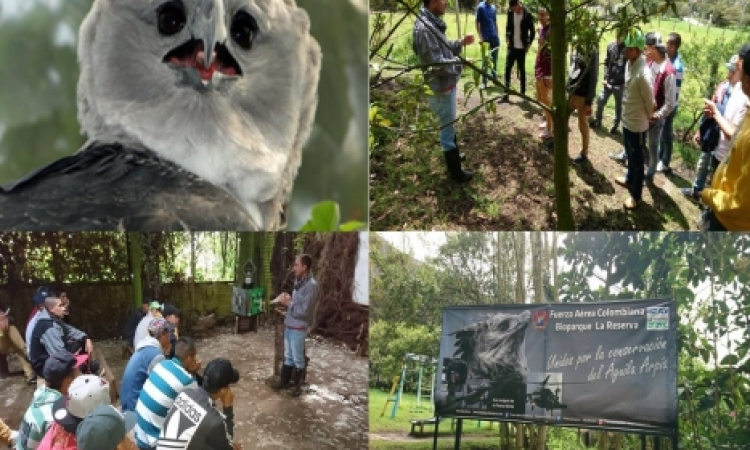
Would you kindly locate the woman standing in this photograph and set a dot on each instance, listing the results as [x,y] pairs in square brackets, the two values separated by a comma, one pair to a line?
[543,72]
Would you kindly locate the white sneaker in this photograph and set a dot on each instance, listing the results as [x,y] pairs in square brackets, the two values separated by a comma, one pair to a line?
[545,134]
[660,167]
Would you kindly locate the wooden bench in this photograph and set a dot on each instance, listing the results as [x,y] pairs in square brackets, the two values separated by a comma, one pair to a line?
[421,424]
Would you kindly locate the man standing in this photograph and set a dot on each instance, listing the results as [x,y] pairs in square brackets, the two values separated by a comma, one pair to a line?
[519,33]
[164,384]
[195,413]
[172,315]
[727,200]
[442,70]
[543,71]
[665,95]
[665,151]
[299,318]
[12,342]
[583,73]
[614,77]
[487,30]
[637,109]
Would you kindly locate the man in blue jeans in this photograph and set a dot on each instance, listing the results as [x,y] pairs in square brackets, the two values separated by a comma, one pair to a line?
[442,70]
[487,31]
[299,317]
[665,151]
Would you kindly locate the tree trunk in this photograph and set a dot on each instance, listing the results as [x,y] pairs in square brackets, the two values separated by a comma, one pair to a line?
[192,256]
[135,253]
[520,250]
[560,116]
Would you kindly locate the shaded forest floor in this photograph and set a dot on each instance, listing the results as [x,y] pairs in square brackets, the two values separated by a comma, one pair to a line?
[331,414]
[513,187]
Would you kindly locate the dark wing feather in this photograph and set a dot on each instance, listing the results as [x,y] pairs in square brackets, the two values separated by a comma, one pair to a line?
[110,187]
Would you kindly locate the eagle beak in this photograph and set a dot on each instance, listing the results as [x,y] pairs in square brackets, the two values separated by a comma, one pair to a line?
[208,27]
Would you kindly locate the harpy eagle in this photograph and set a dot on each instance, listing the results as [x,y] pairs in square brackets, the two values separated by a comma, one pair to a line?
[494,350]
[195,111]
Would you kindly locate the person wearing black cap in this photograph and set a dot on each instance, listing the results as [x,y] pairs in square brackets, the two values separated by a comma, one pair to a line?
[59,372]
[193,422]
[172,315]
[40,296]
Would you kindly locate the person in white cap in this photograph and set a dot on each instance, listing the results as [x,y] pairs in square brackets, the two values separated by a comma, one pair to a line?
[84,395]
[154,311]
[105,428]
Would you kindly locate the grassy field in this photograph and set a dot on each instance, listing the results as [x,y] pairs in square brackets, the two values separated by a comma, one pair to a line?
[387,433]
[512,188]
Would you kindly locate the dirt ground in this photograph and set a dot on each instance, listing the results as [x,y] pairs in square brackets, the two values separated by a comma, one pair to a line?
[331,414]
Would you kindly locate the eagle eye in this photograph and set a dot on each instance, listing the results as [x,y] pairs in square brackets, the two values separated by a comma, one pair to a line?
[172,18]
[504,325]
[244,29]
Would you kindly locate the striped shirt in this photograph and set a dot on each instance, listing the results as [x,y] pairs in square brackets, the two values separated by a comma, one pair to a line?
[162,387]
[37,419]
[679,67]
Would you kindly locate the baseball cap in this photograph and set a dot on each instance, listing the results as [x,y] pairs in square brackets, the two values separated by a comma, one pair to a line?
[732,64]
[154,305]
[59,365]
[743,51]
[219,374]
[104,428]
[170,309]
[41,294]
[158,325]
[84,395]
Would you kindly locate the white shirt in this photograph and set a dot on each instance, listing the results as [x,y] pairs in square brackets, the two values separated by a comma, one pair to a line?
[670,90]
[638,96]
[734,112]
[517,43]
[142,330]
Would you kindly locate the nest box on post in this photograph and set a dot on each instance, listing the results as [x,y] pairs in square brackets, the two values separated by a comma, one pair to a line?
[247,302]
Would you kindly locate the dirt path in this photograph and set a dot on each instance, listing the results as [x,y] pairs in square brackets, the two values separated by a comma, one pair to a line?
[333,414]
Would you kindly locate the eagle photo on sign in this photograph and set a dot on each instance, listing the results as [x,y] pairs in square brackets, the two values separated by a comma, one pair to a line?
[196,112]
[494,355]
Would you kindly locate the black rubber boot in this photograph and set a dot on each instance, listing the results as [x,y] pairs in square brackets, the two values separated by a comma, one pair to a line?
[462,154]
[299,375]
[453,161]
[286,375]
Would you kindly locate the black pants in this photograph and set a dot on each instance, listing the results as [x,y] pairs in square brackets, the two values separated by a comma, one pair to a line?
[516,56]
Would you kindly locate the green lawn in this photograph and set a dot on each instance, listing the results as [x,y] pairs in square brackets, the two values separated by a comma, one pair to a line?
[387,433]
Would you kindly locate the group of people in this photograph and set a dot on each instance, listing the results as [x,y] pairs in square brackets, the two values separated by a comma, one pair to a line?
[165,400]
[644,73]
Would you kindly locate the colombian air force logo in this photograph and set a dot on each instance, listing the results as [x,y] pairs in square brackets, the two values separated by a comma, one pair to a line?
[539,318]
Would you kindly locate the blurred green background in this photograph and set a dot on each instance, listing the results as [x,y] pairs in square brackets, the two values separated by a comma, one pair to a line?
[38,77]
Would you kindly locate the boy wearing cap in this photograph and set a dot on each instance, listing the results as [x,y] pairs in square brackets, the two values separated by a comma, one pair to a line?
[164,384]
[195,410]
[40,296]
[142,330]
[60,370]
[637,109]
[52,335]
[149,352]
[299,317]
[12,342]
[84,395]
[105,428]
